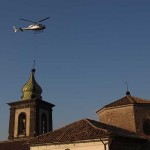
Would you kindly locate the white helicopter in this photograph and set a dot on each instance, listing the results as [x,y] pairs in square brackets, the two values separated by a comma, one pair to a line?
[36,26]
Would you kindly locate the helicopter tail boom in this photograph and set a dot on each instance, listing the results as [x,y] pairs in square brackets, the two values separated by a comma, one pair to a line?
[17,29]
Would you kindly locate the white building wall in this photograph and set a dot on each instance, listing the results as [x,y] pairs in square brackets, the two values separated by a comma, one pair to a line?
[98,145]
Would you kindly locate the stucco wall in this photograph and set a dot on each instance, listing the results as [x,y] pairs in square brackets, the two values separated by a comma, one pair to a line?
[122,117]
[74,146]
[129,117]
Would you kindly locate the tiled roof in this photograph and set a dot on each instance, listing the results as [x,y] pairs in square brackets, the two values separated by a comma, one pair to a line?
[15,145]
[84,129]
[128,100]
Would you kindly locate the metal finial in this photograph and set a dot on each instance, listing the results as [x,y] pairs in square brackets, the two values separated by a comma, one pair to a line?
[127,85]
[33,67]
[33,64]
[127,92]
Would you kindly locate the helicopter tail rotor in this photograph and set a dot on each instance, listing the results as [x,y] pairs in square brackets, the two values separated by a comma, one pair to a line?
[17,29]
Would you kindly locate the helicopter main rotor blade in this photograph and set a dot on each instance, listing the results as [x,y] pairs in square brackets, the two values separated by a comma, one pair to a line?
[44,19]
[28,20]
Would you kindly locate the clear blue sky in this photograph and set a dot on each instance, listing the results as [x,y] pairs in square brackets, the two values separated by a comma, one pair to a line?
[83,59]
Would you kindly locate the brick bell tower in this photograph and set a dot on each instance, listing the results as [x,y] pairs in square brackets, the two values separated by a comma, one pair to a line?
[31,116]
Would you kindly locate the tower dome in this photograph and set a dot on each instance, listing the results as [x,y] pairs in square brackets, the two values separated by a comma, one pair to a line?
[31,89]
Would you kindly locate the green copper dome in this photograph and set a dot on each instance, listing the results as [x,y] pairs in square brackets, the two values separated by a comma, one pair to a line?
[31,89]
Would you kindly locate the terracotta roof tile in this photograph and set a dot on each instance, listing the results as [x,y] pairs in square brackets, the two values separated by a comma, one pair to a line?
[128,100]
[84,129]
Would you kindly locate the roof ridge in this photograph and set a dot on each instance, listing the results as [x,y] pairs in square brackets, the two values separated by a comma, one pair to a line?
[87,120]
[138,98]
[114,127]
[131,99]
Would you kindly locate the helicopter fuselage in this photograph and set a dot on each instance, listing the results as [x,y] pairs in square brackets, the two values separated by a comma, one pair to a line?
[35,27]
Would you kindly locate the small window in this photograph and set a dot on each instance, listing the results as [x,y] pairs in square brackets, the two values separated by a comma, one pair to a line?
[146,126]
[22,124]
[44,123]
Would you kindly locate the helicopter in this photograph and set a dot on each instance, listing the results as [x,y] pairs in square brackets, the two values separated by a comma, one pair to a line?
[36,26]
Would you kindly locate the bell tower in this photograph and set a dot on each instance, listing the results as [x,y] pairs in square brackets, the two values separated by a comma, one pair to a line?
[31,116]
